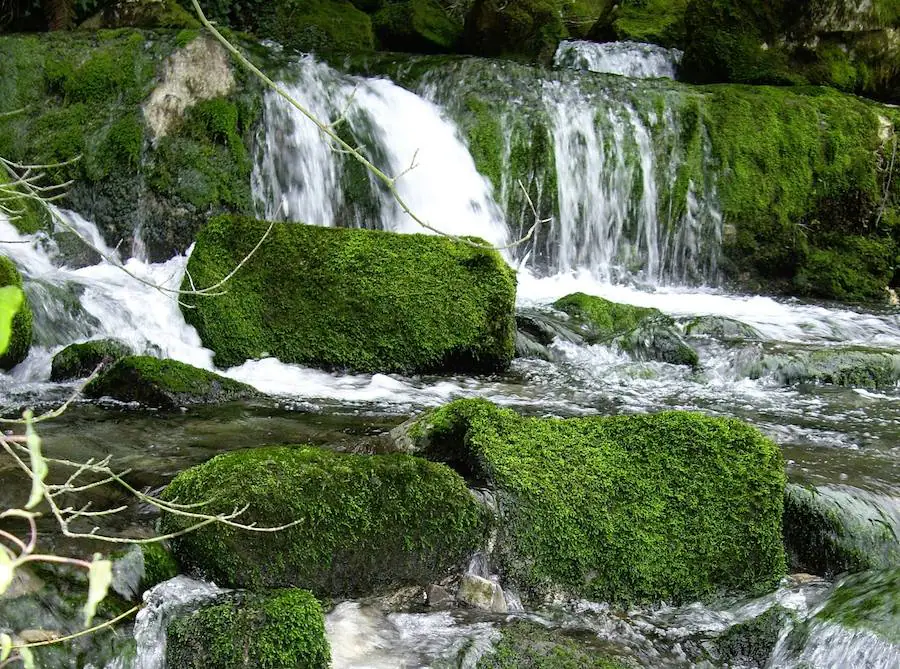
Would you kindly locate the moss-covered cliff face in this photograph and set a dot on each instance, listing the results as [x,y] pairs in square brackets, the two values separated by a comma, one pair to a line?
[87,94]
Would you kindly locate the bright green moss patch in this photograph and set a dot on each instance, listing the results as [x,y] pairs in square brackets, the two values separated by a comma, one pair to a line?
[831,531]
[656,21]
[526,644]
[166,384]
[672,506]
[600,318]
[159,565]
[868,601]
[22,323]
[284,629]
[416,25]
[366,523]
[752,642]
[78,361]
[355,299]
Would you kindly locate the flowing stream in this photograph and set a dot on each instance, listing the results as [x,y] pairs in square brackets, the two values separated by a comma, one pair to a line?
[620,229]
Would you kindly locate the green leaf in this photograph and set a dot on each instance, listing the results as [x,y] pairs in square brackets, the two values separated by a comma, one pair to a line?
[7,569]
[27,658]
[11,299]
[99,580]
[39,467]
[5,647]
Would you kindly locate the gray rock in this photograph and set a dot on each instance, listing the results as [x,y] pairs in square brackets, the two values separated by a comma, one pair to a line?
[482,594]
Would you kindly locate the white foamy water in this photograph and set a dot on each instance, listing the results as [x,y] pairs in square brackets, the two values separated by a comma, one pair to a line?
[628,59]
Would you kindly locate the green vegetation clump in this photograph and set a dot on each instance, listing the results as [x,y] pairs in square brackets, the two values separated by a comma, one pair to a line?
[829,531]
[655,21]
[22,323]
[420,26]
[284,629]
[78,361]
[165,384]
[354,299]
[365,523]
[159,565]
[628,509]
[645,333]
[526,644]
[868,601]
[750,643]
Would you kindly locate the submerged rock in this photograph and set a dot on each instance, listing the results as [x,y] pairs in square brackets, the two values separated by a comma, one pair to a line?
[853,367]
[78,361]
[354,299]
[365,524]
[672,506]
[831,531]
[20,339]
[721,327]
[750,643]
[165,384]
[283,629]
[645,333]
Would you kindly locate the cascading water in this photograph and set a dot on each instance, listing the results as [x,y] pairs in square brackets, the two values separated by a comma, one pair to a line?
[628,59]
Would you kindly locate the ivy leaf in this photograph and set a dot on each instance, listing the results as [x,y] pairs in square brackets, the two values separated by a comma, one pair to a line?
[5,647]
[11,299]
[39,467]
[99,579]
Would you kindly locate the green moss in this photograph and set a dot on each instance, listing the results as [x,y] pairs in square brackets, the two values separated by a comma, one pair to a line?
[355,299]
[145,14]
[527,29]
[754,640]
[22,323]
[529,645]
[655,21]
[167,384]
[283,629]
[645,333]
[828,531]
[869,601]
[672,506]
[416,25]
[366,523]
[78,361]
[159,565]
[852,367]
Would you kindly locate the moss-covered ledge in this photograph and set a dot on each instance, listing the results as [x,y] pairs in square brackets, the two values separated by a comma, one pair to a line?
[165,384]
[363,524]
[363,300]
[78,361]
[671,506]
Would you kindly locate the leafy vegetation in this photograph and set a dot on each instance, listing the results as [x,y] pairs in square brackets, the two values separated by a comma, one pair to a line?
[16,348]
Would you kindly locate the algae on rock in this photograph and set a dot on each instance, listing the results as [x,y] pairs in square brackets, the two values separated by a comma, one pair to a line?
[363,300]
[364,523]
[78,361]
[630,509]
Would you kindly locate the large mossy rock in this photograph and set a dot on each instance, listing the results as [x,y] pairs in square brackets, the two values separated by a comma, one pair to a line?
[645,333]
[91,94]
[655,21]
[165,384]
[142,14]
[78,361]
[527,29]
[852,367]
[672,506]
[22,328]
[830,531]
[355,299]
[284,629]
[306,25]
[527,644]
[419,26]
[364,523]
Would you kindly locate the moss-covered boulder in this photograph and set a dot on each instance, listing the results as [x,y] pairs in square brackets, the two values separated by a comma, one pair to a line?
[852,367]
[142,14]
[165,384]
[750,643]
[830,531]
[78,361]
[354,299]
[363,523]
[419,26]
[870,602]
[721,327]
[527,29]
[672,506]
[307,25]
[655,21]
[22,329]
[645,333]
[284,629]
[528,644]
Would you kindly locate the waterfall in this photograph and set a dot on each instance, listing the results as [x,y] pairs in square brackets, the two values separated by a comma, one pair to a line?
[628,59]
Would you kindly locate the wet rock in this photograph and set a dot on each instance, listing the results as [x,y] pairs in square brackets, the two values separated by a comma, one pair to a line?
[78,361]
[853,367]
[595,507]
[364,524]
[657,338]
[165,384]
[833,530]
[481,593]
[284,628]
[722,328]
[526,29]
[419,26]
[438,597]
[751,643]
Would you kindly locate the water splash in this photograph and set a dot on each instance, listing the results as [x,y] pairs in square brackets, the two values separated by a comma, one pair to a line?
[628,59]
